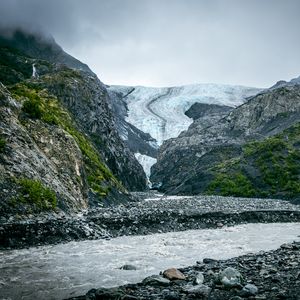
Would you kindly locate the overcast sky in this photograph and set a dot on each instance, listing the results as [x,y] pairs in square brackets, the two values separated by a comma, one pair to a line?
[171,42]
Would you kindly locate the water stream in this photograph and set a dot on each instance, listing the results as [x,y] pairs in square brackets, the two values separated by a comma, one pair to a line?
[66,270]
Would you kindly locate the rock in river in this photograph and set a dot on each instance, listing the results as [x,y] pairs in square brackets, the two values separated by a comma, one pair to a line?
[173,274]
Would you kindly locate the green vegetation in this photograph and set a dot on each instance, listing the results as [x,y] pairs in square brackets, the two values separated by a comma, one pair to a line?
[14,66]
[2,144]
[231,185]
[32,108]
[268,168]
[35,193]
[38,104]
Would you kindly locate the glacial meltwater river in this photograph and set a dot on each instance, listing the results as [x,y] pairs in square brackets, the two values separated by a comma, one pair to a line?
[66,270]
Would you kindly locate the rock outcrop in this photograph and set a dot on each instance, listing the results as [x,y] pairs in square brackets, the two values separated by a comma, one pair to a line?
[59,148]
[218,159]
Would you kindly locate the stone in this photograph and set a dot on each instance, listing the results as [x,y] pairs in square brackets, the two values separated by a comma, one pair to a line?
[111,294]
[198,290]
[230,277]
[263,272]
[286,246]
[174,274]
[156,280]
[208,260]
[211,273]
[199,279]
[128,268]
[249,290]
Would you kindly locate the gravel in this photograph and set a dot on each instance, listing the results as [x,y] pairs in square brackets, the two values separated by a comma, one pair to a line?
[149,213]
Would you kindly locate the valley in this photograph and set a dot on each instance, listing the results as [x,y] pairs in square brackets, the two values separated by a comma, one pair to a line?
[97,177]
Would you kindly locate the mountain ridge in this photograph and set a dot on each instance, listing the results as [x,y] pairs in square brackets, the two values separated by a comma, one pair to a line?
[160,112]
[267,114]
[67,107]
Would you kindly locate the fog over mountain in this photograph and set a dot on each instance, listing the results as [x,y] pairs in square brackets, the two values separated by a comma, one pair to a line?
[165,43]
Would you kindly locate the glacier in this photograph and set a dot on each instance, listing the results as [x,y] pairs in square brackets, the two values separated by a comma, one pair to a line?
[146,162]
[161,111]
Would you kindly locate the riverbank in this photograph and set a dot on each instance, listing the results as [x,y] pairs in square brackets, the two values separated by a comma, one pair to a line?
[151,213]
[271,275]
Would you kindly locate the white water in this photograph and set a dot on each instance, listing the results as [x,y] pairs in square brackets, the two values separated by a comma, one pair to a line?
[34,71]
[65,270]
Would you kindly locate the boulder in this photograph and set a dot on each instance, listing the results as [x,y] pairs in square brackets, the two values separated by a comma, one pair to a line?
[156,280]
[128,268]
[249,290]
[174,274]
[230,277]
[198,290]
[199,279]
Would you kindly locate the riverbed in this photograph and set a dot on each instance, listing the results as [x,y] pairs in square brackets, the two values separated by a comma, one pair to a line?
[70,269]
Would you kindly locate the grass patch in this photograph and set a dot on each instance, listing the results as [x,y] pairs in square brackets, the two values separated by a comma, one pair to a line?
[38,104]
[35,193]
[237,185]
[268,168]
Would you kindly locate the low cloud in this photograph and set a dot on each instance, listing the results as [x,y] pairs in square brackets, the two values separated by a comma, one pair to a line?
[170,42]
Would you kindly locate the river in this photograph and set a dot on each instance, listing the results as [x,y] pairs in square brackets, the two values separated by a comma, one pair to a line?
[66,270]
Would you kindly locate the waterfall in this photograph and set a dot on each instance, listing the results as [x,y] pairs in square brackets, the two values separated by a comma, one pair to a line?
[34,72]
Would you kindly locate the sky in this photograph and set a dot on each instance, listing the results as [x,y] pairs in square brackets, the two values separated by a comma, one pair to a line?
[171,42]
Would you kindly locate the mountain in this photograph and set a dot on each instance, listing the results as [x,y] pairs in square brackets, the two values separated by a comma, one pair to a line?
[283,83]
[253,151]
[161,112]
[58,134]
[42,47]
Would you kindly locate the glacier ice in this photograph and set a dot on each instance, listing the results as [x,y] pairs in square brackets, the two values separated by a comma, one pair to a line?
[160,111]
[146,161]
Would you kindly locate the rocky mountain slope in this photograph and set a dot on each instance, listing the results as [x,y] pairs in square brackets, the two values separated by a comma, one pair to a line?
[160,112]
[41,47]
[59,147]
[253,151]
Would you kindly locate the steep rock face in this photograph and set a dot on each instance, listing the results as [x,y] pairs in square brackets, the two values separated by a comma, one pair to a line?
[205,115]
[187,164]
[59,148]
[34,149]
[87,99]
[39,46]
[79,90]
